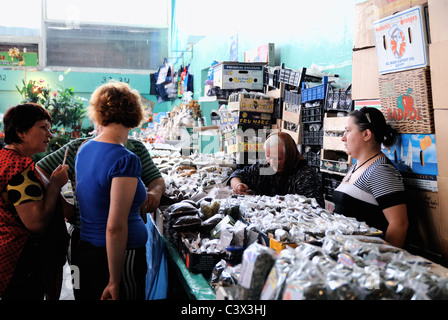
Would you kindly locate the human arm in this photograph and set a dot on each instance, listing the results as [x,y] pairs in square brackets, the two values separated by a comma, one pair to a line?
[238,186]
[68,209]
[150,175]
[246,180]
[155,190]
[121,196]
[398,225]
[35,215]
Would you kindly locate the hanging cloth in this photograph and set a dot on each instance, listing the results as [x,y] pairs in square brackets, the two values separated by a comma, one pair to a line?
[164,76]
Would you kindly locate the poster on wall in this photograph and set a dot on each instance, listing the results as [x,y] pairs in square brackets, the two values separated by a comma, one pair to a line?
[233,49]
[264,53]
[18,59]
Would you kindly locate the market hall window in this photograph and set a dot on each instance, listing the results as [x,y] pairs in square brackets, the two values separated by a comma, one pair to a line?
[96,34]
[94,46]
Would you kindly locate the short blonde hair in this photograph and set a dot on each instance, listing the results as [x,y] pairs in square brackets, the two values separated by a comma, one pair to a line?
[116,102]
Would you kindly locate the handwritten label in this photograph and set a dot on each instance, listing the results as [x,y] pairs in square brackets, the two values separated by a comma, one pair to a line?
[120,79]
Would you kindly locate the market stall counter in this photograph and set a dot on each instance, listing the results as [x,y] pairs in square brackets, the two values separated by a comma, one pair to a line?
[334,257]
[167,273]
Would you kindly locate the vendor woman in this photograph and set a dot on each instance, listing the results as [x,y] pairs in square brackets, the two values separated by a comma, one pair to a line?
[373,189]
[286,172]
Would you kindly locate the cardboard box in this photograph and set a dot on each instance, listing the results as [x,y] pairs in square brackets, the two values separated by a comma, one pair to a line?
[203,263]
[238,75]
[415,156]
[244,119]
[241,134]
[279,245]
[365,75]
[401,41]
[424,215]
[365,13]
[439,73]
[406,101]
[442,222]
[438,22]
[252,105]
[245,147]
[389,7]
[441,121]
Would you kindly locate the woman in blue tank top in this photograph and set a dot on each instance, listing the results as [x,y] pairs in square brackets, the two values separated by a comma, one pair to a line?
[110,192]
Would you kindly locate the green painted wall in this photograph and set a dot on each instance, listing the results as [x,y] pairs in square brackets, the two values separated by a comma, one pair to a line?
[84,84]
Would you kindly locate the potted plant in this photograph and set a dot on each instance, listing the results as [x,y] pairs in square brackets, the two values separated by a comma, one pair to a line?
[34,91]
[66,109]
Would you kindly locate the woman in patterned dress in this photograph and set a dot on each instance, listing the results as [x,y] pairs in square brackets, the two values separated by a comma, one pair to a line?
[26,208]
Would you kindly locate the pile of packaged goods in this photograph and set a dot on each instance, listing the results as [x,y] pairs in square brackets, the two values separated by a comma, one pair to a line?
[335,258]
[207,231]
[295,218]
[186,179]
[343,268]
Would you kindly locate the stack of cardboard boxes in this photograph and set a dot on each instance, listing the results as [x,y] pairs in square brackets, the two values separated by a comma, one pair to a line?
[438,52]
[398,67]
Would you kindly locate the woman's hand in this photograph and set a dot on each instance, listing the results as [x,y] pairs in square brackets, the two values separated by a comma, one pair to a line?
[111,292]
[241,188]
[60,176]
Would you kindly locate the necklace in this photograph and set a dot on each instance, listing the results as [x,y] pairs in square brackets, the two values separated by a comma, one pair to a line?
[356,167]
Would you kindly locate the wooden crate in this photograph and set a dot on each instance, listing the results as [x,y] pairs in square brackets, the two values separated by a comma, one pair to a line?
[334,128]
[293,117]
[330,162]
[296,135]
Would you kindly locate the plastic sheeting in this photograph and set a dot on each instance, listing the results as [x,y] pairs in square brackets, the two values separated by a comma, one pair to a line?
[157,274]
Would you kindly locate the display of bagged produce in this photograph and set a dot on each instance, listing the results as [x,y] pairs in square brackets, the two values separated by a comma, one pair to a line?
[273,288]
[187,178]
[255,267]
[353,268]
[295,218]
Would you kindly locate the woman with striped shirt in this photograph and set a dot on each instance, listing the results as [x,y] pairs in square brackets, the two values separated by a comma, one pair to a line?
[373,189]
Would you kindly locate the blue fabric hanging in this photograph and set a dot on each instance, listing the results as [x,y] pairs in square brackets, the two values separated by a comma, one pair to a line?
[157,274]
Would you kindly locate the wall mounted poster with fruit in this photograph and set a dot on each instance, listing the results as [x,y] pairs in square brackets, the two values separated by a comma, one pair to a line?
[406,101]
[401,41]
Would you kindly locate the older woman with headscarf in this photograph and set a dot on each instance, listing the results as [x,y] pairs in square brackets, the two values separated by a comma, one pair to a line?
[286,172]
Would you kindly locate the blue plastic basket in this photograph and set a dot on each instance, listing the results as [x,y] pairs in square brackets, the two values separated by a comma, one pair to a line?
[315,93]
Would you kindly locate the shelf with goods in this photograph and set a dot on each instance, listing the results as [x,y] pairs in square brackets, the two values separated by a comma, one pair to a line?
[245,122]
[312,108]
[318,110]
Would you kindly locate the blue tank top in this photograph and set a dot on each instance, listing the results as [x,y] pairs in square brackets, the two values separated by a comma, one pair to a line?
[96,164]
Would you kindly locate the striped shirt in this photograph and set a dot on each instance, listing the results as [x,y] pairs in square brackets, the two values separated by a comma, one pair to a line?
[379,187]
[50,162]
